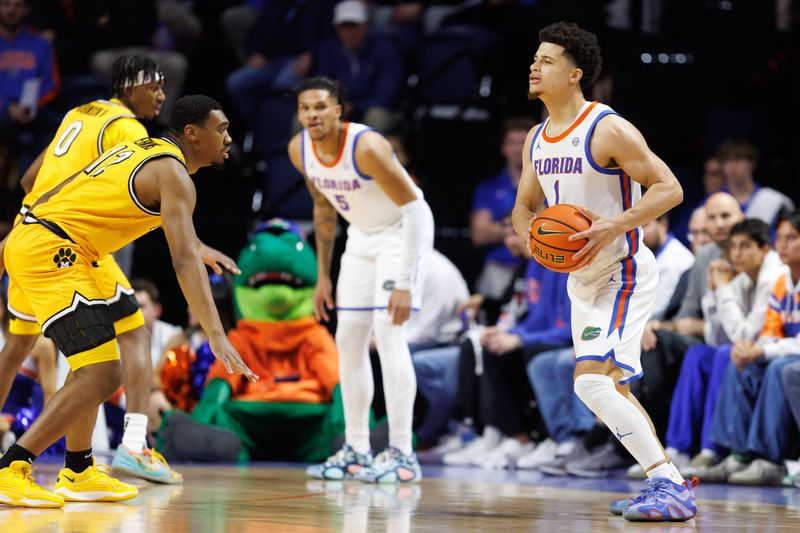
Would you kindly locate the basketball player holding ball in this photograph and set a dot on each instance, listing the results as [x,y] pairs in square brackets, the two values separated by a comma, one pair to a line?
[586,155]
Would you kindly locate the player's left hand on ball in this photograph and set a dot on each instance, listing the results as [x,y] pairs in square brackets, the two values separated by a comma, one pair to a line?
[399,306]
[214,258]
[600,234]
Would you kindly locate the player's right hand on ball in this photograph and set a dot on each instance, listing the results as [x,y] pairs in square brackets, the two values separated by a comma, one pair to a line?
[323,298]
[223,350]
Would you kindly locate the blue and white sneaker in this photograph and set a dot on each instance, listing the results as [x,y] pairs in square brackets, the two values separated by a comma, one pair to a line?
[618,507]
[342,465]
[392,466]
[664,501]
[147,464]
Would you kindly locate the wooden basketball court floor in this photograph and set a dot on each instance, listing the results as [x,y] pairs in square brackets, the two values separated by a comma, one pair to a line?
[251,499]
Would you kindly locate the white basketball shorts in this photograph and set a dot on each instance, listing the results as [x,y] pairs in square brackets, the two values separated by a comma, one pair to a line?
[610,310]
[370,265]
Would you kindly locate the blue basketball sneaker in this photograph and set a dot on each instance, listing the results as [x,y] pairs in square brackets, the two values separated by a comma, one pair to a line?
[664,501]
[343,464]
[618,507]
[392,466]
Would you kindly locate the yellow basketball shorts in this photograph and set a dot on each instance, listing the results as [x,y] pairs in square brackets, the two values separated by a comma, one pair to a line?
[113,285]
[59,287]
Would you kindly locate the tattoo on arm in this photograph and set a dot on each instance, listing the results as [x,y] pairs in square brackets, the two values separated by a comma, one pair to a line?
[325,217]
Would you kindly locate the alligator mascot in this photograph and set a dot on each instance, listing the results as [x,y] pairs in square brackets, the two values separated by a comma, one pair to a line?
[295,410]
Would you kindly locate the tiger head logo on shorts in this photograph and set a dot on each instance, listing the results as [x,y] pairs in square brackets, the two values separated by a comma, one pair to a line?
[65,258]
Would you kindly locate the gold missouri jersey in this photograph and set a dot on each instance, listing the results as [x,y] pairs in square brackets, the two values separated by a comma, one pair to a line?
[99,210]
[85,132]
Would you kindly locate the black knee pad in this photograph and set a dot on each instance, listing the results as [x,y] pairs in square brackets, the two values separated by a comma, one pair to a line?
[86,327]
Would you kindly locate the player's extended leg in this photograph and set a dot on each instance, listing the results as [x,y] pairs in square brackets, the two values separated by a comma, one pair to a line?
[355,377]
[398,463]
[81,480]
[668,496]
[133,457]
[354,302]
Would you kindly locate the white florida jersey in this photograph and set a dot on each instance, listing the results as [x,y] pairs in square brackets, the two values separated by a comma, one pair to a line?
[356,196]
[569,175]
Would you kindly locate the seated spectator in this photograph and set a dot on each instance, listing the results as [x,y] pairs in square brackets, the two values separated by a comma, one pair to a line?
[490,220]
[124,31]
[753,418]
[672,258]
[698,235]
[506,351]
[279,52]
[734,308]
[29,81]
[738,162]
[566,417]
[791,387]
[434,350]
[368,66]
[149,300]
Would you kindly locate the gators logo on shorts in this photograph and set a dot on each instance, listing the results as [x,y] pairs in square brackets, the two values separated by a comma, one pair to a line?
[388,285]
[590,333]
[65,258]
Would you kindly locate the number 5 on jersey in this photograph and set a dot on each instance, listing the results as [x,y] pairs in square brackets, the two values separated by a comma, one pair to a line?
[342,201]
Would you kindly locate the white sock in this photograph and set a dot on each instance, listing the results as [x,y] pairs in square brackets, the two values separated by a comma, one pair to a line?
[355,378]
[399,380]
[624,420]
[134,436]
[666,471]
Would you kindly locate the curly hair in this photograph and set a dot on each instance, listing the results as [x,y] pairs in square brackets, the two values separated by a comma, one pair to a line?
[580,46]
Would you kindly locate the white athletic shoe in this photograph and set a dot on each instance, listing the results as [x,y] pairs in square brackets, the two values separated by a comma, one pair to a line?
[544,452]
[504,456]
[488,441]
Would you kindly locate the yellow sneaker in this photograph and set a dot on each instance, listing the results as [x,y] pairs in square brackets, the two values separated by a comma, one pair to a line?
[93,485]
[18,487]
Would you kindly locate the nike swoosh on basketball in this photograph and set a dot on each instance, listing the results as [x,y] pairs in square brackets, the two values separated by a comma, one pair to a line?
[542,231]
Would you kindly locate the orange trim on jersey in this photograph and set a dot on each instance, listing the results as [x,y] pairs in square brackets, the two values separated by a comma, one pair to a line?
[29,373]
[626,294]
[341,149]
[572,127]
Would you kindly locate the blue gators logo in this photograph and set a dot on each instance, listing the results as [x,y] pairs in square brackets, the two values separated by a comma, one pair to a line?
[590,333]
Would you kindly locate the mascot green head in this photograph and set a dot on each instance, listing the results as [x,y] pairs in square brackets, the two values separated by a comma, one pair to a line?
[279,271]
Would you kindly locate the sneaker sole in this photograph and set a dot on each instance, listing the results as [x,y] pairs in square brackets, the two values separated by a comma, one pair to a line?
[586,473]
[30,502]
[122,471]
[95,495]
[553,470]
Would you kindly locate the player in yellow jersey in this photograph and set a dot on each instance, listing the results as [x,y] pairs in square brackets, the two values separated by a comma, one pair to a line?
[133,188]
[85,132]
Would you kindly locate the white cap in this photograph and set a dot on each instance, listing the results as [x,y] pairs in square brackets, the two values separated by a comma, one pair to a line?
[354,11]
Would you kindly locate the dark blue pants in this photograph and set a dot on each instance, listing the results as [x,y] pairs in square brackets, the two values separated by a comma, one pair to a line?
[695,398]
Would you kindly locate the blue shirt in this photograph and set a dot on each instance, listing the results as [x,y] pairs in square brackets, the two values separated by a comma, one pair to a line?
[497,195]
[373,76]
[548,318]
[26,56]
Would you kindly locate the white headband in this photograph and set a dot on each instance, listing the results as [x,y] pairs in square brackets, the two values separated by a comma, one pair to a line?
[142,78]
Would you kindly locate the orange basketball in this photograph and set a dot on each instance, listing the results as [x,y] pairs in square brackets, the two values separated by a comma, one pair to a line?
[549,236]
